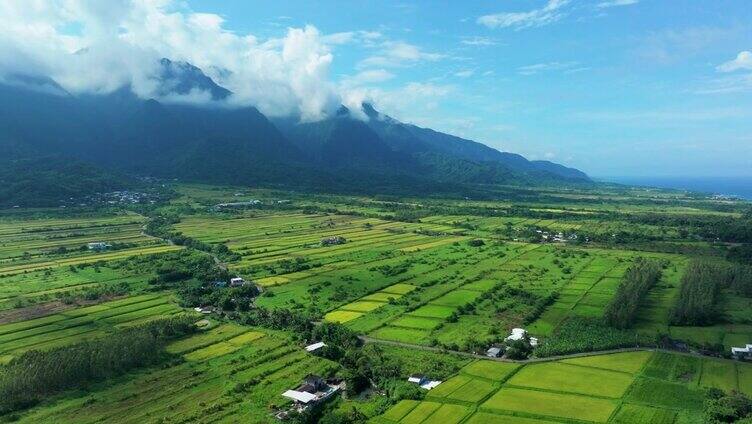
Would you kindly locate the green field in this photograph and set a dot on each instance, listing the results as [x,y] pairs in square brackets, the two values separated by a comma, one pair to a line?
[78,324]
[200,388]
[418,279]
[585,389]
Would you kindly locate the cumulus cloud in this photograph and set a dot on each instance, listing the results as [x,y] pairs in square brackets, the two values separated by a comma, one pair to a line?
[732,81]
[402,102]
[551,12]
[743,61]
[91,46]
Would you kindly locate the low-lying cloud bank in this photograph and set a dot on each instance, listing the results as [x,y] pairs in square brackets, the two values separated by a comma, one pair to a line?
[91,46]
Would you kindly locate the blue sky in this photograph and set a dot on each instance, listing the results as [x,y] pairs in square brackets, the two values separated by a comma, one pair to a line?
[612,87]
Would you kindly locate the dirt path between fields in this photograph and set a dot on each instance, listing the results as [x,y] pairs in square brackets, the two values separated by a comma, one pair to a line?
[366,339]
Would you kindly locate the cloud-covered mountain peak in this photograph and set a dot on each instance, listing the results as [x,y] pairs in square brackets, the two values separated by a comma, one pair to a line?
[183,79]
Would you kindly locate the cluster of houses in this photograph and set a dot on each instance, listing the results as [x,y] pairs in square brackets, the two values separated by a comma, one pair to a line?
[234,282]
[247,203]
[555,238]
[252,202]
[126,196]
[497,351]
[311,391]
[333,240]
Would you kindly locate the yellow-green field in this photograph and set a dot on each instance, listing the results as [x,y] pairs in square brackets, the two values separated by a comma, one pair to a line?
[618,387]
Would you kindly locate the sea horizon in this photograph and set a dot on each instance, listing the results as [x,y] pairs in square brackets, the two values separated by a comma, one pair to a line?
[727,186]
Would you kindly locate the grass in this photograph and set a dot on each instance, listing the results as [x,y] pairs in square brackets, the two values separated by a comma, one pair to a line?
[399,289]
[496,371]
[551,404]
[485,418]
[666,394]
[342,316]
[719,374]
[448,387]
[630,413]
[573,379]
[404,335]
[200,388]
[631,362]
[416,322]
[362,306]
[473,391]
[392,280]
[421,411]
[398,411]
[77,324]
[617,387]
[448,414]
[433,311]
[745,378]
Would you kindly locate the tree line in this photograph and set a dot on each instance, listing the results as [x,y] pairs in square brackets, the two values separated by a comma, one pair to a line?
[701,285]
[161,226]
[35,374]
[640,277]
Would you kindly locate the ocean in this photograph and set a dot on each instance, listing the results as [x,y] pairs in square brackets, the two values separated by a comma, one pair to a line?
[730,186]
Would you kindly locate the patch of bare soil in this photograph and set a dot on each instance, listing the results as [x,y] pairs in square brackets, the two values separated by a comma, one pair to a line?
[48,308]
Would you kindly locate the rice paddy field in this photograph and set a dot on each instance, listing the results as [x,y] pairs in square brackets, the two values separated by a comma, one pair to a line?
[266,240]
[456,275]
[630,387]
[228,374]
[43,258]
[349,283]
[79,324]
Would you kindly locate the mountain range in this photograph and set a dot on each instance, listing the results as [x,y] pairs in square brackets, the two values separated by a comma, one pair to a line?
[119,133]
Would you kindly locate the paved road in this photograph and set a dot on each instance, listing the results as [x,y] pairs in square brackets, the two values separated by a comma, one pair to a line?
[366,339]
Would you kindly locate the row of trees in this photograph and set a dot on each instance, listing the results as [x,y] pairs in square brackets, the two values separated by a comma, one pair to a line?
[36,374]
[637,281]
[701,285]
[697,303]
[161,226]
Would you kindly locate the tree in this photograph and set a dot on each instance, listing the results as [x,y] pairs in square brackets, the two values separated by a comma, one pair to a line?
[734,407]
[519,349]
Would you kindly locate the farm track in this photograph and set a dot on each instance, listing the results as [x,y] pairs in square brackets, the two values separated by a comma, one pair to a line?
[366,339]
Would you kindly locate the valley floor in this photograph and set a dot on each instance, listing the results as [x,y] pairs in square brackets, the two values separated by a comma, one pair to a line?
[438,279]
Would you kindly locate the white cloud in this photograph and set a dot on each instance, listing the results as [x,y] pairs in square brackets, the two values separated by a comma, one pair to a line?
[672,46]
[398,53]
[478,41]
[616,3]
[121,41]
[361,37]
[550,13]
[743,61]
[465,73]
[549,66]
[401,103]
[733,82]
[368,76]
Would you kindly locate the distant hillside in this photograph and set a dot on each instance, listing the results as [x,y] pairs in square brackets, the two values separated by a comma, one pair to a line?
[218,144]
[45,181]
